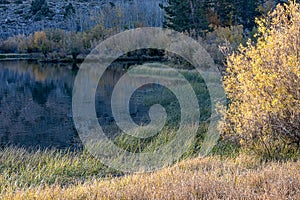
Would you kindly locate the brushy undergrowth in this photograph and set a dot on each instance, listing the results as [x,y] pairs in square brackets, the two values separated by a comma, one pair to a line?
[66,175]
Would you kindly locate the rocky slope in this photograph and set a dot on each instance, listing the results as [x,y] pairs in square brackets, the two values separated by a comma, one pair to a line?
[17,17]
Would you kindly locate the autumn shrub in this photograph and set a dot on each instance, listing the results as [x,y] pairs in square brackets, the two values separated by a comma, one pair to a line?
[55,35]
[97,34]
[58,38]
[22,41]
[40,43]
[15,44]
[75,44]
[229,37]
[9,45]
[262,83]
[233,34]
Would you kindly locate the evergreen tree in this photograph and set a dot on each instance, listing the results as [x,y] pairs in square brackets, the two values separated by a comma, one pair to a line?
[233,12]
[201,15]
[246,11]
[40,9]
[225,11]
[197,15]
[177,15]
[186,15]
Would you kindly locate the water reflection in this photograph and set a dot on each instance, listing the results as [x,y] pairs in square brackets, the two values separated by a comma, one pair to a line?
[35,105]
[36,100]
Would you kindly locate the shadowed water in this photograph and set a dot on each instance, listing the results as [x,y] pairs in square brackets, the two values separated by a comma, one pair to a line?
[36,99]
[36,103]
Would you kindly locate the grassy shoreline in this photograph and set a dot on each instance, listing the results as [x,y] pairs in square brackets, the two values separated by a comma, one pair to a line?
[38,57]
[50,174]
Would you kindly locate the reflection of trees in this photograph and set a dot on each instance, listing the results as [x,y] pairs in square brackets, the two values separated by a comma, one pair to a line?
[35,105]
[40,92]
[40,72]
[35,102]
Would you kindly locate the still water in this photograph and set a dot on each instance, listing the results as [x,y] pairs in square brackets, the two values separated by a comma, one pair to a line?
[36,100]
[36,103]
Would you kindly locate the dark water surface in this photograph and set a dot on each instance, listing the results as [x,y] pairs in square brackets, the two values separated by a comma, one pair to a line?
[36,100]
[36,103]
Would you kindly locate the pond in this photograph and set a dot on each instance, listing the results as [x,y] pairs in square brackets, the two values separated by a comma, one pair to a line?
[36,103]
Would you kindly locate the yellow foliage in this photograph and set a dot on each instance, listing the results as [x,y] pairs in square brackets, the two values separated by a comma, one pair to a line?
[39,38]
[263,83]
[39,41]
[233,34]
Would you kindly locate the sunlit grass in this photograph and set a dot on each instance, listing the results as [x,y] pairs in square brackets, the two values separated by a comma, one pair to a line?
[20,168]
[242,176]
[227,173]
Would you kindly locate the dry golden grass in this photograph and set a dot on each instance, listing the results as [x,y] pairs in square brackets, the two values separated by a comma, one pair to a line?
[244,177]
